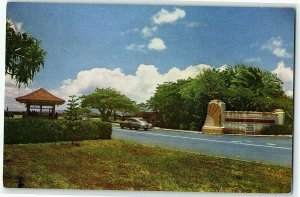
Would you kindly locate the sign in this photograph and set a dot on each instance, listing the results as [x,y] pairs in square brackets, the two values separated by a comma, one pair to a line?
[250,128]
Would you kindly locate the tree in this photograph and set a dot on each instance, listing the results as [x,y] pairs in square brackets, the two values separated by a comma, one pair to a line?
[24,55]
[183,104]
[73,111]
[108,101]
[250,88]
[72,115]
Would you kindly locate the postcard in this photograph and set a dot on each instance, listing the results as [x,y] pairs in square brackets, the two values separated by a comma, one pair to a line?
[132,97]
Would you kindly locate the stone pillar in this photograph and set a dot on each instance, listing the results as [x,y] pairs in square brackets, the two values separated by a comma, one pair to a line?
[280,116]
[214,119]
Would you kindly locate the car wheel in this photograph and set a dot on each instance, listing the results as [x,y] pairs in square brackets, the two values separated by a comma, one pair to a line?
[136,128]
[145,129]
[122,127]
[130,128]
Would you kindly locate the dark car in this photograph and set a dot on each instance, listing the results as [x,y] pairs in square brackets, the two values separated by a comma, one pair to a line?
[8,114]
[136,123]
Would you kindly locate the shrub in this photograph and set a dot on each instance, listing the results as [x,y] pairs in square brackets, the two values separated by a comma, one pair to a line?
[22,131]
[277,130]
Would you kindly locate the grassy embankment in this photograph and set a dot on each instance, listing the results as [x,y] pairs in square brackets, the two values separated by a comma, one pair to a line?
[115,164]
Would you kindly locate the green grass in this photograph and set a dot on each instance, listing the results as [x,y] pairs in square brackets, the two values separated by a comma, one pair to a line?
[120,165]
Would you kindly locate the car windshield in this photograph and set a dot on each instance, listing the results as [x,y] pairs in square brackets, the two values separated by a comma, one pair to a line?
[141,119]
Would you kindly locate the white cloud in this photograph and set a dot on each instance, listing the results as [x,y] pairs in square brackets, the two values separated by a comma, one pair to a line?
[156,44]
[252,60]
[164,16]
[276,46]
[135,47]
[17,26]
[289,93]
[192,24]
[285,74]
[281,52]
[11,92]
[149,31]
[223,67]
[139,87]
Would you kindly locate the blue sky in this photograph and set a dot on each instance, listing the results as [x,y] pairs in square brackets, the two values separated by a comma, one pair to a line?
[137,44]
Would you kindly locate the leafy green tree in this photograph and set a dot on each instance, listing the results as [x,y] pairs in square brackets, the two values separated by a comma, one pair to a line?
[183,104]
[168,101]
[24,55]
[250,88]
[108,101]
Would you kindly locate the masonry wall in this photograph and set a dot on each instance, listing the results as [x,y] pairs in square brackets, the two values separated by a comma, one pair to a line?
[220,121]
[247,122]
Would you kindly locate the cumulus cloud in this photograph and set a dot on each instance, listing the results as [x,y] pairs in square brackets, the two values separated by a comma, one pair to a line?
[139,86]
[11,92]
[17,26]
[289,93]
[276,46]
[286,75]
[148,31]
[252,60]
[283,72]
[156,44]
[135,47]
[164,16]
[223,67]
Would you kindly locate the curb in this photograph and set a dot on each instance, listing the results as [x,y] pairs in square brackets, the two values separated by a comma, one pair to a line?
[185,131]
[200,132]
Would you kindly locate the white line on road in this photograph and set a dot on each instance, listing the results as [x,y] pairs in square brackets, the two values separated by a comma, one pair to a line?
[209,140]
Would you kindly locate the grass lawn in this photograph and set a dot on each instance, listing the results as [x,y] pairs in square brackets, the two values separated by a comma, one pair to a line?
[121,165]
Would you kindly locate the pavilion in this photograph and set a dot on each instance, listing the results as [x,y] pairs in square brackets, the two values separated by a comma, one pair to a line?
[38,101]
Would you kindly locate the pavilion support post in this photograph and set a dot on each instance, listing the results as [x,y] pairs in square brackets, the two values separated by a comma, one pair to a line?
[27,109]
[41,110]
[53,110]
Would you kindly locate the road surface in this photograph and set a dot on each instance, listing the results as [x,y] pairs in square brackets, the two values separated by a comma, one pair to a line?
[271,150]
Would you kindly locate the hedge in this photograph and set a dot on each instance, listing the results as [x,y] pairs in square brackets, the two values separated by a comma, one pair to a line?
[277,130]
[23,131]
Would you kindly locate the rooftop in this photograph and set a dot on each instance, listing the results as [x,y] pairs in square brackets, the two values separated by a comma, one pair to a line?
[40,96]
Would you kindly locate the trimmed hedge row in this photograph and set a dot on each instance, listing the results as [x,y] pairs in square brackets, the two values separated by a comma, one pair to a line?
[277,130]
[22,131]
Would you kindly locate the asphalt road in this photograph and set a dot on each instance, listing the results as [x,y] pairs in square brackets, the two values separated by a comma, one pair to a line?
[271,150]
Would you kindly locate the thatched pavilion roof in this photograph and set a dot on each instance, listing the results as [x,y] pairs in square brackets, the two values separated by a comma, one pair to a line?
[40,97]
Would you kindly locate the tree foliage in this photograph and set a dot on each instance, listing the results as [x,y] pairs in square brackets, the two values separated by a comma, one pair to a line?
[24,55]
[183,104]
[108,101]
[72,115]
[73,110]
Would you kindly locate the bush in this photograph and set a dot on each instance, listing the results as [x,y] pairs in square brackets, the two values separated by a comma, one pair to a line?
[22,131]
[277,130]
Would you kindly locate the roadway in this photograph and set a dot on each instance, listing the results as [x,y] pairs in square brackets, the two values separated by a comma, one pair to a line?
[262,149]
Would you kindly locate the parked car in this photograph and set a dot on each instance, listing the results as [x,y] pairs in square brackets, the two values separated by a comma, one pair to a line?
[136,123]
[8,114]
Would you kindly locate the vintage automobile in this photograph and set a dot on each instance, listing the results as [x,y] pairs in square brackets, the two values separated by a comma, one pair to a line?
[135,123]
